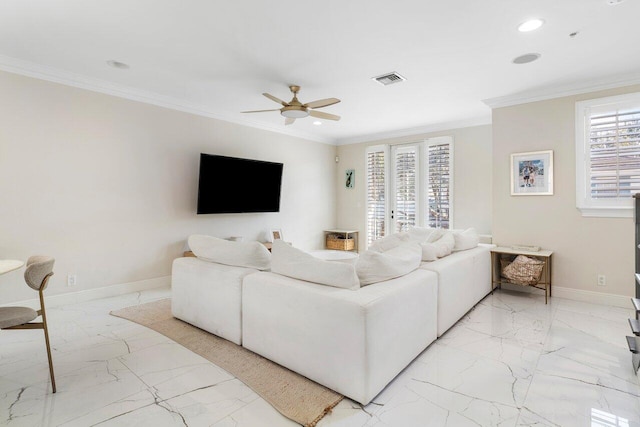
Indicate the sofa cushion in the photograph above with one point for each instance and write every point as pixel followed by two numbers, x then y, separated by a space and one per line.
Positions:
pixel 464 240
pixel 221 251
pixel 429 251
pixel 389 242
pixel 424 234
pixel 292 262
pixel 444 245
pixel 373 267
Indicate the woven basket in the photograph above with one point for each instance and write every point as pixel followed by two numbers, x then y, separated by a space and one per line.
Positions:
pixel 340 244
pixel 523 270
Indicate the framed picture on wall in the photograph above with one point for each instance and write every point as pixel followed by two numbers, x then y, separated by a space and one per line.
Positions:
pixel 276 234
pixel 349 178
pixel 532 173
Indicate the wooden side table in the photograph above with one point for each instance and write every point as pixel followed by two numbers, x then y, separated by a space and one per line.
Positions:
pixel 545 278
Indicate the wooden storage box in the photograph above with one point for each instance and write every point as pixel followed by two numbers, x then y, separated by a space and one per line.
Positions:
pixel 340 244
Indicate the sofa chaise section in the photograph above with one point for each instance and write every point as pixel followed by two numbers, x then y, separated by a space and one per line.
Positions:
pixel 464 279
pixel 353 342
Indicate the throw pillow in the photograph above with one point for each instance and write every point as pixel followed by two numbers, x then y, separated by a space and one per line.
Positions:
pixel 373 267
pixel 221 251
pixel 292 262
pixel 429 251
pixel 464 240
pixel 389 242
pixel 445 245
pixel 423 234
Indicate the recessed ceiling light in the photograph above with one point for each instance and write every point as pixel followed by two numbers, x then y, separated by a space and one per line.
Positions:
pixel 317 123
pixel 526 58
pixel 117 64
pixel 530 25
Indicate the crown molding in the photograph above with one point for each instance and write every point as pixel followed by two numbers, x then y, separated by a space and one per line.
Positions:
pixel 51 74
pixel 562 91
pixel 479 121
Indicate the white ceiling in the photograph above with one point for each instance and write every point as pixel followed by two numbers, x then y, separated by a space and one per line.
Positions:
pixel 216 58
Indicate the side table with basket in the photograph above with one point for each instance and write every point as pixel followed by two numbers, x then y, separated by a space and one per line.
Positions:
pixel 521 267
pixel 341 240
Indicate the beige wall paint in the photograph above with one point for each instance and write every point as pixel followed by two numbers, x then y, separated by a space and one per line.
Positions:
pixel 583 247
pixel 472 178
pixel 108 186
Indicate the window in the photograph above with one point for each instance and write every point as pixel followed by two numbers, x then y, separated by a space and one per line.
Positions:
pixel 405 189
pixel 376 202
pixel 418 180
pixel 440 161
pixel 608 155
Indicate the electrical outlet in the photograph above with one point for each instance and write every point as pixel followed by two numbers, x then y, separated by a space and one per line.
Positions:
pixel 71 280
pixel 602 280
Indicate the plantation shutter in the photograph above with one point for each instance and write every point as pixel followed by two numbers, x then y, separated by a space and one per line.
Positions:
pixel 439 159
pixel 614 154
pixel 376 202
pixel 406 195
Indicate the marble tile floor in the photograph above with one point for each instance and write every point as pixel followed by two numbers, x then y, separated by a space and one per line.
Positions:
pixel 511 361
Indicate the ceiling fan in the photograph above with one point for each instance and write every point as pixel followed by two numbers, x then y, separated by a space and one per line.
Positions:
pixel 294 109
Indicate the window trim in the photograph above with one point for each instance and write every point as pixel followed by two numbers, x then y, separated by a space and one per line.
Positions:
pixel 588 207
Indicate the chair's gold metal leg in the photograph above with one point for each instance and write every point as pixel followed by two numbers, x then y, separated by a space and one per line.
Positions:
pixel 46 339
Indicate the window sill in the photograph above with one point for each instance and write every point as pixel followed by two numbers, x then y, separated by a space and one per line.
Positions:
pixel 606 212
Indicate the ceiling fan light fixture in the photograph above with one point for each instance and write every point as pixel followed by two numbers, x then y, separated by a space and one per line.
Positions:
pixel 294 112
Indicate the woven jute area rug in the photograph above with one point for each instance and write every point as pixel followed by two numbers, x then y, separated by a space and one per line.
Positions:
pixel 294 396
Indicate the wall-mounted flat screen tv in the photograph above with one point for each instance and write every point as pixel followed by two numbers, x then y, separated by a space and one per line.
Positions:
pixel 236 185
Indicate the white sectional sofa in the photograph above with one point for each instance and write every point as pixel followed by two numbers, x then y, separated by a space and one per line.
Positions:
pixel 351 328
pixel 353 342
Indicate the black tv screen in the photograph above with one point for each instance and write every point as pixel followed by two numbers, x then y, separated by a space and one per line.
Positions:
pixel 235 185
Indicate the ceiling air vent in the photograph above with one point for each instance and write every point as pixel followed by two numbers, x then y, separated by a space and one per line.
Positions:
pixel 389 78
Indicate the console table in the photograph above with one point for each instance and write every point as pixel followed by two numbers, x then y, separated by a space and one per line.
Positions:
pixel 545 278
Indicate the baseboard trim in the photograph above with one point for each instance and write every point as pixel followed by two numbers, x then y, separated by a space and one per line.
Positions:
pixel 97 293
pixel 579 295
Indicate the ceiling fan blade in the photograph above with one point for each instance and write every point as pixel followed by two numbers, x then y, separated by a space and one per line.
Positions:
pixel 321 115
pixel 273 98
pixel 321 103
pixel 289 120
pixel 259 111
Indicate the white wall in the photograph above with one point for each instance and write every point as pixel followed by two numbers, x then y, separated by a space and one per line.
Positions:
pixel 108 186
pixel 472 179
pixel 583 247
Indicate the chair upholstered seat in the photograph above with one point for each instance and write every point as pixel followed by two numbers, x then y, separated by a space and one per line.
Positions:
pixel 13 316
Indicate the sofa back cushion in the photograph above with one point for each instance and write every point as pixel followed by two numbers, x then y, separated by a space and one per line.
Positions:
pixel 221 251
pixel 424 234
pixel 373 267
pixel 389 242
pixel 466 239
pixel 445 244
pixel 291 262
